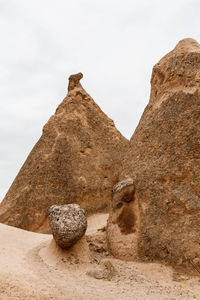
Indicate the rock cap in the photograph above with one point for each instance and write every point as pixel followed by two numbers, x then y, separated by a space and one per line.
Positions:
pixel 74 81
pixel 122 184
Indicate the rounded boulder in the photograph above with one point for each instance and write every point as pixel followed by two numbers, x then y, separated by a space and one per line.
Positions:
pixel 68 224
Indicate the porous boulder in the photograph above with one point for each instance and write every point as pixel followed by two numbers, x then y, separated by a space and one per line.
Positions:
pixel 164 161
pixel 68 224
pixel 76 160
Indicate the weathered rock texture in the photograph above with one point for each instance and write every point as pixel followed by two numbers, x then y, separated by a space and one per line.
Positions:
pixel 76 160
pixel 68 224
pixel 164 162
pixel 122 227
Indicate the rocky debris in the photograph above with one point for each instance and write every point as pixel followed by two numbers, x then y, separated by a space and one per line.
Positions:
pixel 105 270
pixel 76 160
pixel 97 245
pixel 68 224
pixel 164 162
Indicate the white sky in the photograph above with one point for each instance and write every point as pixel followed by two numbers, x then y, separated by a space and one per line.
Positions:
pixel 114 43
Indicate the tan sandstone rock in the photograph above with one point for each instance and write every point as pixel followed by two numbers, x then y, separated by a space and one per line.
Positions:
pixel 76 160
pixel 164 161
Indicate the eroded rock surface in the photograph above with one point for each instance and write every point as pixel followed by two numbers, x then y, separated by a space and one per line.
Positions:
pixel 68 224
pixel 164 161
pixel 122 226
pixel 76 160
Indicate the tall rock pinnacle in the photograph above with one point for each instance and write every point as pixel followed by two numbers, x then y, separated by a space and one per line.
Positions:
pixel 76 160
pixel 164 162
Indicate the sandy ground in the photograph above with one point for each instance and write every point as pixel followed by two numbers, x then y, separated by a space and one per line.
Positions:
pixel 33 267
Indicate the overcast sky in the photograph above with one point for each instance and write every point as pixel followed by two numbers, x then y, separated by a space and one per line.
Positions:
pixel 114 43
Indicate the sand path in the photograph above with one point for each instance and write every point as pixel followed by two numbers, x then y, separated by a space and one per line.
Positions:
pixel 32 268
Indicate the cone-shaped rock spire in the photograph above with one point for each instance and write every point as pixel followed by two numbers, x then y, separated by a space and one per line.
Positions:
pixel 76 160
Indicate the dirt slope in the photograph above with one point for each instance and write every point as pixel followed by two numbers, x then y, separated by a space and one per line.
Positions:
pixel 31 268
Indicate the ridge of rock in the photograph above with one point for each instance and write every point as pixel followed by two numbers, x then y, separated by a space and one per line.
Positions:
pixel 76 160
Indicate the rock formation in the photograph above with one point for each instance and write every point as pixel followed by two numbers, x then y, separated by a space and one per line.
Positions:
pixel 164 161
pixel 122 228
pixel 76 160
pixel 68 224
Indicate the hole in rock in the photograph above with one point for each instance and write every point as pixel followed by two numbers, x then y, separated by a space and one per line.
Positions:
pixel 126 221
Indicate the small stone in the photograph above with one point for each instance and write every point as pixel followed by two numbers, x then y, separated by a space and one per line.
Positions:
pixel 123 192
pixel 122 184
pixel 105 270
pixel 68 224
